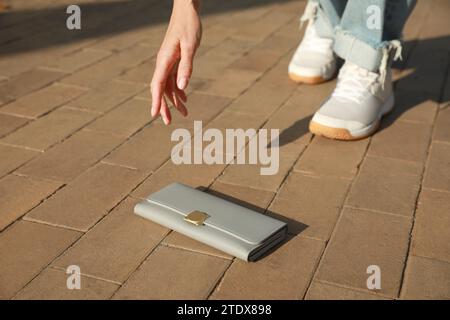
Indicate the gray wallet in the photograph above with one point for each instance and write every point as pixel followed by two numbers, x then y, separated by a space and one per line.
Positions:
pixel 221 224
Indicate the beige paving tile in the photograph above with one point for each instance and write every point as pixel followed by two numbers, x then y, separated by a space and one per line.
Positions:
pixel 149 148
pixel 121 241
pixel 190 276
pixel 26 249
pixel 413 106
pixel 105 70
pixel 67 160
pixel 387 185
pixel 140 74
pixel 42 101
pixel 363 239
pixel 27 82
pixel 232 82
pixel 437 172
pixel 441 129
pixel 78 60
pixel 196 176
pixel 250 174
pixel 323 291
pixel 146 151
pixel 20 194
pixel 254 199
pixel 50 129
pixel 431 238
pixel 283 274
pixel 51 284
pixel 211 65
pixel 257 60
pixel 332 158
pixel 300 203
pixel 88 198
pixel 402 140
pixel 9 123
pixel 107 96
pixel 124 120
pixel 177 240
pixel 13 157
pixel 426 279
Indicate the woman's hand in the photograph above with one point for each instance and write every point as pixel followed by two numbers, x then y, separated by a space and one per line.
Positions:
pixel 175 58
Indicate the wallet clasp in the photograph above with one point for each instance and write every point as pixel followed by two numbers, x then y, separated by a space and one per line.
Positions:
pixel 196 217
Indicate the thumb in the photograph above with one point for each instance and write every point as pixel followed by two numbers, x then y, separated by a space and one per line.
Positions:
pixel 185 66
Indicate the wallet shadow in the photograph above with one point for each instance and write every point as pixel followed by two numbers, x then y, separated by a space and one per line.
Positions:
pixel 294 227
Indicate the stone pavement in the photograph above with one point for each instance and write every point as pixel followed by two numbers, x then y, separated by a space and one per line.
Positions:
pixel 78 149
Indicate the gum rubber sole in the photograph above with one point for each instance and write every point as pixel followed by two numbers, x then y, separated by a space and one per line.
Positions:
pixel 307 80
pixel 337 133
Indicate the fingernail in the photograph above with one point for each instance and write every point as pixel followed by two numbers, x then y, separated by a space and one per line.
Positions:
pixel 182 83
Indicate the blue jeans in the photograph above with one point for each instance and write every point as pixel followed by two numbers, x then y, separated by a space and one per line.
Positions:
pixel 362 29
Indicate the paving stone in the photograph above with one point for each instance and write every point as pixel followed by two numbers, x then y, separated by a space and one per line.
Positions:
pixel 78 60
pixel 323 291
pixel 251 198
pixel 212 65
pixel 51 284
pixel 141 74
pixel 191 276
pixel 413 106
pixel 42 101
pixel 426 279
pixel 362 239
pixel 27 82
pixel 20 194
pixel 441 129
pixel 430 238
pixel 152 146
pixel 26 249
pixel 50 129
pixel 13 157
pixel 231 83
pixel 121 241
pixel 177 240
pixel 9 123
pixel 88 198
pixel 429 73
pixel 437 173
pixel 124 120
pixel 332 158
pixel 107 96
pixel 67 160
pixel 387 185
pixel 283 274
pixel 196 176
pixel 251 174
pixel 257 60
pixel 105 70
pixel 402 140
pixel 300 203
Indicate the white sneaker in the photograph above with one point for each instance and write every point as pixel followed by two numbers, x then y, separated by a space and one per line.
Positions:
pixel 314 60
pixel 356 106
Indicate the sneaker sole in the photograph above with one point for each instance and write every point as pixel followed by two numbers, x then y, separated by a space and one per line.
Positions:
pixel 345 134
pixel 307 80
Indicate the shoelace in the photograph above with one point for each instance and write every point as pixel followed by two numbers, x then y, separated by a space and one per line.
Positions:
pixel 353 83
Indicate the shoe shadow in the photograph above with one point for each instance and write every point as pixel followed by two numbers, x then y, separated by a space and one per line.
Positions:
pixel 422 83
pixel 294 227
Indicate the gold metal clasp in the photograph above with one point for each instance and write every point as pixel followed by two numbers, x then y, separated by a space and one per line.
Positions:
pixel 196 217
